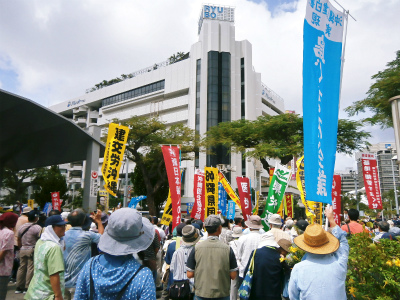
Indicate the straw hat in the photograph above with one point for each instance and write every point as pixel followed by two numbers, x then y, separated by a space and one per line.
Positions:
pixel 317 241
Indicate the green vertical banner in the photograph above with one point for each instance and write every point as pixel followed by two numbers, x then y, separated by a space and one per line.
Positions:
pixel 276 193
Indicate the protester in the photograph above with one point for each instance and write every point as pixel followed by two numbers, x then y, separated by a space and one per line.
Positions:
pixel 226 232
pixel 284 249
pixel 383 227
pixel 212 264
pixel 268 272
pixel 17 207
pixel 117 271
pixel 236 234
pixel 353 226
pixel 28 235
pixel 298 228
pixel 247 243
pixel 23 219
pixel 8 221
pixel 322 272
pixel 78 246
pixel 48 278
pixel 238 222
pixel 346 215
pixel 42 219
pixel 288 228
pixel 275 223
pixel 64 216
pixel 149 256
pixel 190 236
pixel 171 248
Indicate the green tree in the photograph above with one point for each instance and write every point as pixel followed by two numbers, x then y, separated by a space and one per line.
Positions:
pixel 388 203
pixel 17 183
pixel 49 180
pixel 386 86
pixel 279 137
pixel 146 135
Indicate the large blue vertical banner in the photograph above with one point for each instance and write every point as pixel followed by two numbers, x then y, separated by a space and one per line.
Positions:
pixel 222 197
pixel 323 32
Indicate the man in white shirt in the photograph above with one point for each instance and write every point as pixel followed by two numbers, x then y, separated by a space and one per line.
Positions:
pixel 247 243
pixel 275 223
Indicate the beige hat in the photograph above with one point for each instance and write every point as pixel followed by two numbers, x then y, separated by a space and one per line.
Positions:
pixel 26 210
pixel 275 219
pixel 254 222
pixel 316 240
pixel 284 244
pixel 268 240
pixel 237 231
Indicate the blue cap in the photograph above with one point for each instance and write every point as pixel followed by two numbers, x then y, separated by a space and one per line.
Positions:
pixel 55 220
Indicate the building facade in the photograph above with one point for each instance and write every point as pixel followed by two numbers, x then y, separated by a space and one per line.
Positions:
pixel 215 82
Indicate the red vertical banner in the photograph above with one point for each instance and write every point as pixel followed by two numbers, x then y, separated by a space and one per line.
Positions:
pixel 198 193
pixel 289 205
pixel 171 159
pixel 55 200
pixel 271 174
pixel 245 196
pixel 337 197
pixel 371 181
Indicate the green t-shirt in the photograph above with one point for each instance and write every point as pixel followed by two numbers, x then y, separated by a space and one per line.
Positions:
pixel 48 260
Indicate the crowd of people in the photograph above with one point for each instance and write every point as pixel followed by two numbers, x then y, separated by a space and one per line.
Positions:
pixel 129 256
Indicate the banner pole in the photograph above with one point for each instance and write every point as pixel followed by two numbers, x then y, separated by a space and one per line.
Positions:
pixel 346 13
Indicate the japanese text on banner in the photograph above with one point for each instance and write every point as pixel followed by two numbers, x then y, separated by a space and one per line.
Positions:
pixel 289 205
pixel 113 156
pixel 323 32
pixel 171 159
pixel 198 193
pixel 301 185
pixel 211 191
pixel 55 200
pixel 222 198
pixel 231 210
pixel 229 189
pixel 166 218
pixel 371 181
pixel 275 194
pixel 336 197
pixel 243 184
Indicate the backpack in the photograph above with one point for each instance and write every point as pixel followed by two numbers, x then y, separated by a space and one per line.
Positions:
pixel 180 290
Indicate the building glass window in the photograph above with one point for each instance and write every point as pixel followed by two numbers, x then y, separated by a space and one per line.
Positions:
pixel 150 88
pixel 218 99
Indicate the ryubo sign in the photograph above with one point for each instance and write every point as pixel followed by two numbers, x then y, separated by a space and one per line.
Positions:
pixel 218 12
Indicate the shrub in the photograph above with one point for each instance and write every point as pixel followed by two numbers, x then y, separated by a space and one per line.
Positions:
pixel 373 268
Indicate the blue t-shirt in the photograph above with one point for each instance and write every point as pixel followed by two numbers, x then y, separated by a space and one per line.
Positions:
pixel 77 252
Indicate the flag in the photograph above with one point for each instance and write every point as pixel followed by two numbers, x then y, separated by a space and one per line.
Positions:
pixel 301 185
pixel 275 193
pixel 166 218
pixel 135 200
pixel 171 160
pixel 228 189
pixel 337 197
pixel 323 32
pixel 255 209
pixel 47 208
pixel 231 210
pixel 104 199
pixel 211 191
pixel 245 196
pixel 55 200
pixel 289 205
pixel 198 193
pixel 371 181
pixel 113 156
pixel 222 197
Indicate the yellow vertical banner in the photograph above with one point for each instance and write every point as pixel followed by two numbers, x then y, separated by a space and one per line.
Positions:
pixel 231 193
pixel 281 212
pixel 301 185
pixel 255 209
pixel 318 212
pixel 104 199
pixel 113 156
pixel 31 202
pixel 167 215
pixel 211 191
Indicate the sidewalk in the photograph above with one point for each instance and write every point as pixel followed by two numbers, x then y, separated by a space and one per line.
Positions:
pixel 10 292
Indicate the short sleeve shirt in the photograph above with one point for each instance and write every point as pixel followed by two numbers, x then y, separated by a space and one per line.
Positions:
pixel 31 235
pixel 354 227
pixel 6 244
pixel 48 260
pixel 77 252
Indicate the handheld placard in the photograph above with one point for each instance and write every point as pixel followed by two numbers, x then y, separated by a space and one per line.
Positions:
pixel 326 219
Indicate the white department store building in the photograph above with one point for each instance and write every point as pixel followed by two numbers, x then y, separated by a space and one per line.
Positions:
pixel 215 82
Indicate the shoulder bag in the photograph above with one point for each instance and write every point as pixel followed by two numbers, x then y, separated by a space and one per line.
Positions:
pixel 245 287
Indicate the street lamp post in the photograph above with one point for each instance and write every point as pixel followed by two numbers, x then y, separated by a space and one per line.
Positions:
pixel 394 182
pixel 354 175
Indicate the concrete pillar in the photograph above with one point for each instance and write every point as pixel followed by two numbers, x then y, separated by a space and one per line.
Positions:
pixel 92 164
pixel 395 103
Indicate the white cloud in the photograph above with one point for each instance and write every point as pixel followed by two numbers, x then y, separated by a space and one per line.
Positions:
pixel 58 48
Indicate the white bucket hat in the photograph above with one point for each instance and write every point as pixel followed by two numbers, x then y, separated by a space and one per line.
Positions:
pixel 268 239
pixel 126 233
